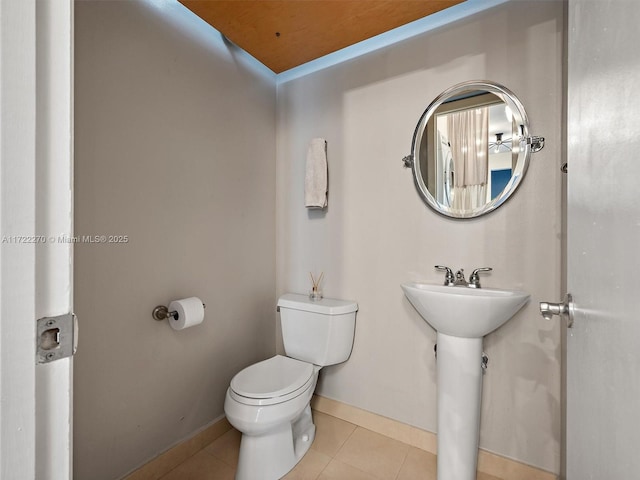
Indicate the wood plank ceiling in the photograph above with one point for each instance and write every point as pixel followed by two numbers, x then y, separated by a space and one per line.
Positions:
pixel 283 34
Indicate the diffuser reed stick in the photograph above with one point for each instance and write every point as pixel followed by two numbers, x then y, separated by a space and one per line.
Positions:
pixel 316 293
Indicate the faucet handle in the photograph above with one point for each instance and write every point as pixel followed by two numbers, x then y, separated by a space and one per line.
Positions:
pixel 474 279
pixel 448 278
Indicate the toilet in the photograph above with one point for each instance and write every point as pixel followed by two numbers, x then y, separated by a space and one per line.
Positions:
pixel 269 401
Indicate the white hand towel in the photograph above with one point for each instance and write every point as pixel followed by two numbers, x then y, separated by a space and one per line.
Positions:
pixel 315 179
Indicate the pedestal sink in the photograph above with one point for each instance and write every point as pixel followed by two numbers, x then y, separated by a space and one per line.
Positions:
pixel 461 316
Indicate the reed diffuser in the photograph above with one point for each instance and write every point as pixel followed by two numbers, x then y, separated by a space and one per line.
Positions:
pixel 316 293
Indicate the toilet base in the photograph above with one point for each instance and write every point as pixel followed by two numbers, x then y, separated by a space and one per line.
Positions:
pixel 272 456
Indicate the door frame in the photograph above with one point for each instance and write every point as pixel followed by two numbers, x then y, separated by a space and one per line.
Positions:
pixel 36 212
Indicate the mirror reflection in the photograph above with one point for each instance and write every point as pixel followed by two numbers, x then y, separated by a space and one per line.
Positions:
pixel 470 149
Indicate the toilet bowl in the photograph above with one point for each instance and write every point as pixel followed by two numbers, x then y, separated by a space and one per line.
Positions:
pixel 269 401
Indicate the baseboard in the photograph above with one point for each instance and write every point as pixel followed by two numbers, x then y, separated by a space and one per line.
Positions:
pixel 174 456
pixel 487 462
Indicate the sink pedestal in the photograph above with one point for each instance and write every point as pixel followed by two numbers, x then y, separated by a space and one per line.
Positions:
pixel 459 396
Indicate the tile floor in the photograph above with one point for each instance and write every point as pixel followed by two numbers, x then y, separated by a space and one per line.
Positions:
pixel 341 451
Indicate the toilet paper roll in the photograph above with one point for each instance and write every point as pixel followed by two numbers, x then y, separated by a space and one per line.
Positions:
pixel 190 312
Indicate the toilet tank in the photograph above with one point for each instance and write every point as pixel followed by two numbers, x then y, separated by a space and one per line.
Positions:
pixel 317 331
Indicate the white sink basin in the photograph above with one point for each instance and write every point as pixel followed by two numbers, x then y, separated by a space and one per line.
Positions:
pixel 462 311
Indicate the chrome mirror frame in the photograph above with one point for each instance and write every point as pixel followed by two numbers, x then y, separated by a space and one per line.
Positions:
pixel 527 144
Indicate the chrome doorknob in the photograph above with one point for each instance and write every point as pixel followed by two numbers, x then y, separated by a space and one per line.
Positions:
pixel 564 309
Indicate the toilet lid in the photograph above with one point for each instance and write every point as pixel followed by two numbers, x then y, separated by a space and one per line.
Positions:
pixel 271 378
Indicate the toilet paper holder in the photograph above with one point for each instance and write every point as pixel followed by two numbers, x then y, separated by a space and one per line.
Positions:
pixel 161 312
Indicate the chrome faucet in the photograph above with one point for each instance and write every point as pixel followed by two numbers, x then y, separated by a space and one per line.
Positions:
pixel 460 280
pixel 451 280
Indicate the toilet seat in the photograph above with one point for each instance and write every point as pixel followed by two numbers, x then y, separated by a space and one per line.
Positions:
pixel 272 381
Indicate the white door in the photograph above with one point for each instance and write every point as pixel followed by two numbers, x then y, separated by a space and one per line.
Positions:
pixel 603 240
pixel 35 218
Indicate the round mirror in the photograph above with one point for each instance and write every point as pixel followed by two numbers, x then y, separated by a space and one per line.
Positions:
pixel 471 149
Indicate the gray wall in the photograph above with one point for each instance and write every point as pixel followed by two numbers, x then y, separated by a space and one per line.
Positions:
pixel 175 147
pixel 377 233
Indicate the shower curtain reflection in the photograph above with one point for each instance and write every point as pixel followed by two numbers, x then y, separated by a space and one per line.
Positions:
pixel 469 150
